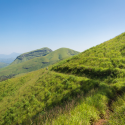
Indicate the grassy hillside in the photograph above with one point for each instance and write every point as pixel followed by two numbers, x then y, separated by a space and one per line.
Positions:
pixel 60 54
pixel 109 54
pixel 114 48
pixel 30 55
pixel 37 63
pixel 80 90
pixel 25 96
pixel 3 64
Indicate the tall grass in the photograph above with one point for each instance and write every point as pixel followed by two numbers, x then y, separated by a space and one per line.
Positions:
pixel 80 110
pixel 50 97
pixel 117 117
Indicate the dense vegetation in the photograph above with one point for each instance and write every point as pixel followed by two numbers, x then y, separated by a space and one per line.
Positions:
pixel 79 90
pixel 36 63
pixel 25 96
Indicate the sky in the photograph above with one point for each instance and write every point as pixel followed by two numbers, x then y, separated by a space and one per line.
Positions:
pixel 27 25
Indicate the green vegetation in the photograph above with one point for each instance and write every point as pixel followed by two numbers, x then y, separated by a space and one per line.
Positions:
pixel 118 116
pixel 36 63
pixel 25 96
pixel 30 55
pixel 79 90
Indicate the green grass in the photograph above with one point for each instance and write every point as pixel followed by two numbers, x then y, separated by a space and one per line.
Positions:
pixel 117 117
pixel 76 91
pixel 80 110
pixel 35 91
pixel 27 96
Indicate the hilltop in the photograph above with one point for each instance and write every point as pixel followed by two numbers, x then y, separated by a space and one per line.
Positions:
pixel 60 54
pixel 36 63
pixel 78 90
pixel 30 55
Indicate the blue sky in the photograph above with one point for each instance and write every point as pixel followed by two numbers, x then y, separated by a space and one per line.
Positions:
pixel 27 25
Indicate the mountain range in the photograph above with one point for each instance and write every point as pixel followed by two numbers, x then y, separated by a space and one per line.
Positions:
pixel 5 60
pixel 35 60
pixel 12 55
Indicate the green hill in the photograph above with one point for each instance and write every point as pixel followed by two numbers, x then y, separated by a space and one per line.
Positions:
pixel 30 55
pixel 61 53
pixel 79 90
pixel 36 63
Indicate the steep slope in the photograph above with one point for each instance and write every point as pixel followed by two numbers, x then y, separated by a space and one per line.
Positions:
pixel 114 48
pixel 30 55
pixel 109 54
pixel 75 91
pixel 36 63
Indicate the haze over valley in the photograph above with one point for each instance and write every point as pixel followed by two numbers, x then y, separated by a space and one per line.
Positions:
pixel 5 60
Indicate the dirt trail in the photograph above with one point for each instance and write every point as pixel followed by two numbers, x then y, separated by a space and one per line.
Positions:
pixel 103 121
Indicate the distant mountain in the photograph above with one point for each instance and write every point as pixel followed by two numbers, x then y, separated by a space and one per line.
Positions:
pixel 12 55
pixel 36 62
pixel 3 64
pixel 7 61
pixel 30 55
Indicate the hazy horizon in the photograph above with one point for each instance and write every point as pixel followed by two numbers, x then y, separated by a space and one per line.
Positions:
pixel 10 53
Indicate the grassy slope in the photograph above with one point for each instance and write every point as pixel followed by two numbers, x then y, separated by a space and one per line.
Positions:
pixel 38 62
pixel 33 54
pixel 107 63
pixel 25 96
pixel 61 54
pixel 75 91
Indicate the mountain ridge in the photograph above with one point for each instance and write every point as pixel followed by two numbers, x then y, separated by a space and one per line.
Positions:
pixel 32 54
pixel 37 62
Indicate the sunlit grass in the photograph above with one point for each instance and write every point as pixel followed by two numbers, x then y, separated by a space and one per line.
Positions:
pixel 76 91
